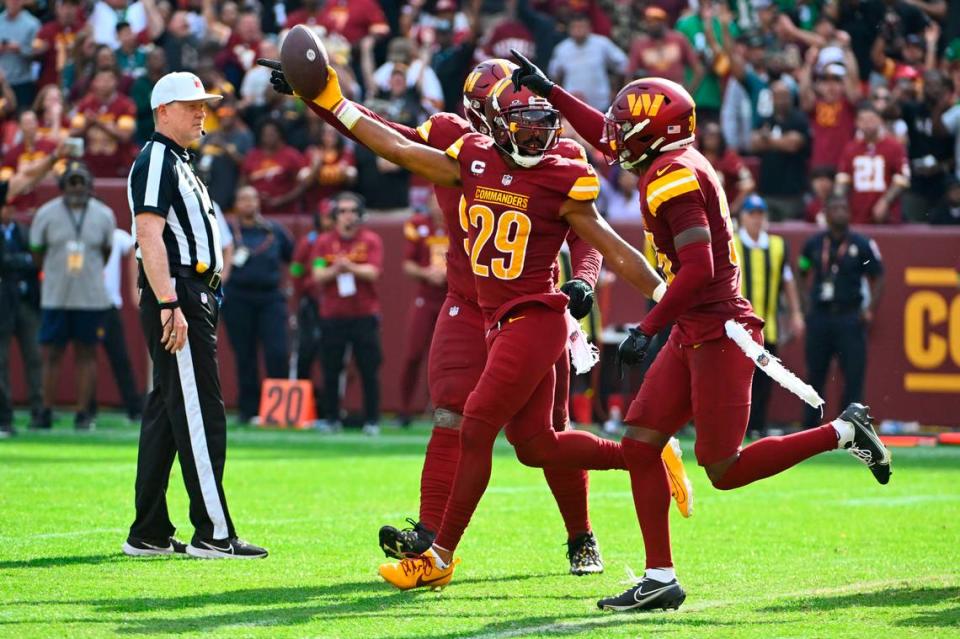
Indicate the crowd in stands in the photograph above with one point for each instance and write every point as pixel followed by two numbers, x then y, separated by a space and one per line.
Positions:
pixel 798 100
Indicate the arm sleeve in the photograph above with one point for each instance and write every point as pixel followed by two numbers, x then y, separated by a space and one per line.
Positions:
pixel 152 183
pixel 375 256
pixel 615 56
pixel 584 259
pixel 328 117
pixel 696 271
pixel 585 120
pixel 872 262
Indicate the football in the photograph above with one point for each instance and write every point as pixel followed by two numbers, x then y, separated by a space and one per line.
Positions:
pixel 304 60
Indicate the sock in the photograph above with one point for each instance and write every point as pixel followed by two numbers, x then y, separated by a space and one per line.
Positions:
pixel 470 480
pixel 663 575
pixel 845 432
pixel 438 562
pixel 772 455
pixel 569 488
pixel 572 449
pixel 651 498
pixel 439 468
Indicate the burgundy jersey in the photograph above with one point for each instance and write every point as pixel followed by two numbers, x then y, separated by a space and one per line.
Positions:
pixel 675 191
pixel 515 229
pixel 870 168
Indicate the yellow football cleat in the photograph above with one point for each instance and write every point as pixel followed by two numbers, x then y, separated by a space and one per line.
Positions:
pixel 680 486
pixel 418 572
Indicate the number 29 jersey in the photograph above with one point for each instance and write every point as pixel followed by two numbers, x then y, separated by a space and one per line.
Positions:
pixel 513 222
pixel 676 192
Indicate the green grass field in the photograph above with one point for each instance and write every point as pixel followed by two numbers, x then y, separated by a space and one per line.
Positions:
pixel 820 551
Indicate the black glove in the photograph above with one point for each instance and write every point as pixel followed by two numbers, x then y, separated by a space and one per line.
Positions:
pixel 277 79
pixel 632 350
pixel 581 297
pixel 528 75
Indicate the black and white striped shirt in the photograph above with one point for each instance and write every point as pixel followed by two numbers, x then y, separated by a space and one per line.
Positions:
pixel 162 182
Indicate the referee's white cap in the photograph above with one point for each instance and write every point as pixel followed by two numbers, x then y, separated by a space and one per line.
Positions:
pixel 179 87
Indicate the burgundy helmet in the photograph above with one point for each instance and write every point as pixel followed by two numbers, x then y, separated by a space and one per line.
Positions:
pixel 649 116
pixel 524 125
pixel 477 87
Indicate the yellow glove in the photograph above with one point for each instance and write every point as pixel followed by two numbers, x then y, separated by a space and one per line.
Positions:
pixel 331 94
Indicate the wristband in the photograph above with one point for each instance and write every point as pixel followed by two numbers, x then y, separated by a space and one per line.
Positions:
pixel 348 113
pixel 169 305
pixel 658 292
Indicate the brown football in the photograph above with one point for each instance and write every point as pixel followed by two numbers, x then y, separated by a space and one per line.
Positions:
pixel 304 60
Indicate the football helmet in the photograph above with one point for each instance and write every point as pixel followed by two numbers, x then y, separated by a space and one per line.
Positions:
pixel 649 116
pixel 477 87
pixel 524 125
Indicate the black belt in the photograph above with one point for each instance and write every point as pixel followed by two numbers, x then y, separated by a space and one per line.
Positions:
pixel 209 278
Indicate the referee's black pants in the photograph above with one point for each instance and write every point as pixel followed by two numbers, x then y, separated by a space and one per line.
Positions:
pixel 184 416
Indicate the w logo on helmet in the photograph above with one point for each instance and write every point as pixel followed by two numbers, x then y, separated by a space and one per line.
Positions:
pixel 645 103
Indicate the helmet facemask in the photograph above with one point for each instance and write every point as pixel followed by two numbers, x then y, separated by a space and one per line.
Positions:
pixel 526 132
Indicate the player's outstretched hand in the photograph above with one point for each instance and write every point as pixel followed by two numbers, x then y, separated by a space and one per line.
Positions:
pixel 530 76
pixel 581 297
pixel 277 79
pixel 632 350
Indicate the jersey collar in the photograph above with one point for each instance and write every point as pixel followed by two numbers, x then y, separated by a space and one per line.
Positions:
pixel 179 150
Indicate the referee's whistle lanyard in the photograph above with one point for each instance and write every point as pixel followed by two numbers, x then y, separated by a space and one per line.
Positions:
pixel 830 268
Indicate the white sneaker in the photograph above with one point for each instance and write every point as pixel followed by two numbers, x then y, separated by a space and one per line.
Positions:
pixel 373 430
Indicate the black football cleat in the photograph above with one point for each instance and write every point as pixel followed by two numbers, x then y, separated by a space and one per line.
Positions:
pixel 647 594
pixel 136 547
pixel 866 445
pixel 400 544
pixel 224 549
pixel 584 555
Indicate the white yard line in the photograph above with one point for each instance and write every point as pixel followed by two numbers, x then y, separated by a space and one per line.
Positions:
pixel 604 619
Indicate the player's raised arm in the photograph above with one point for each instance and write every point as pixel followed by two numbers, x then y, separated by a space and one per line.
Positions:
pixel 585 120
pixel 417 158
pixel 621 258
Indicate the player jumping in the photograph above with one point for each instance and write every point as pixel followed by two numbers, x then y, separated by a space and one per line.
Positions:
pixel 700 373
pixel 458 350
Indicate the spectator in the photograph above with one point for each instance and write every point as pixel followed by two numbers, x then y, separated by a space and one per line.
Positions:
pixel 20 301
pixel 131 56
pixel 80 66
pixel 221 155
pixel 51 113
pixel 403 58
pixel 736 178
pixel 275 170
pixel 663 52
pixel 584 61
pixel 424 26
pixel 425 261
pixel 384 185
pixel 122 257
pixel 509 33
pixel 182 47
pixel 709 45
pixel 883 102
pixel 106 119
pixel 310 14
pixel 930 146
pixel 453 57
pixel 766 277
pixel 29 151
pixel 947 211
pixel 255 307
pixel 354 19
pixel 107 14
pixel 332 165
pixel 618 201
pixel 838 319
pixel 54 40
pixel 749 64
pixel 782 143
pixel 141 90
pixel 346 265
pixel 951 124
pixel 71 237
pixel 829 103
pixel 255 89
pixel 822 186
pixel 220 26
pixel 18 28
pixel 873 171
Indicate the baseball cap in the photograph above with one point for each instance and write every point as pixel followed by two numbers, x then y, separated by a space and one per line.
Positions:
pixel 179 86
pixel 754 203
pixel 834 70
pixel 762 4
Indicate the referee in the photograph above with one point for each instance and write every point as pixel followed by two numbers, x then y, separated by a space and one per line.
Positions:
pixel 180 262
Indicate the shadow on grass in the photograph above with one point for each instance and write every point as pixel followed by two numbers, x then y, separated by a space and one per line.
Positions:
pixel 889 598
pixel 59 562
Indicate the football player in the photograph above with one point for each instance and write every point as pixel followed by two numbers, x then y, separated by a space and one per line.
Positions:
pixel 458 350
pixel 700 374
pixel 519 204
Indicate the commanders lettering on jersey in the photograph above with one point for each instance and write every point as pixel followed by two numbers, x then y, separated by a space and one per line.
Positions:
pixel 670 186
pixel 506 198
